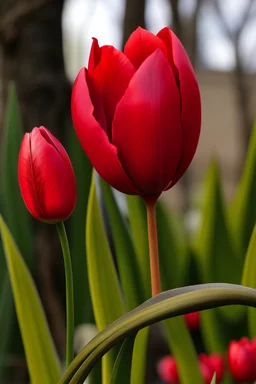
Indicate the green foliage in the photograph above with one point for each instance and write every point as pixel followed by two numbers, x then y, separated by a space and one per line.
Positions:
pixel 41 357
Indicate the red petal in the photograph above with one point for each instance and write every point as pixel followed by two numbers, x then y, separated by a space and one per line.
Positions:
pixel 190 105
pixel 95 55
pixel 146 126
pixel 26 179
pixel 95 143
pixel 111 76
pixel 141 44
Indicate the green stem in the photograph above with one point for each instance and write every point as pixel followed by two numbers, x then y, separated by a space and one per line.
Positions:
pixel 69 293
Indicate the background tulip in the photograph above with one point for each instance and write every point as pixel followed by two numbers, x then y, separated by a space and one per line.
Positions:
pixel 137 113
pixel 211 364
pixel 192 320
pixel 167 370
pixel 46 177
pixel 242 360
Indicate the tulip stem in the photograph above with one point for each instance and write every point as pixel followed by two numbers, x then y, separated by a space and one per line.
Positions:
pixel 153 246
pixel 69 293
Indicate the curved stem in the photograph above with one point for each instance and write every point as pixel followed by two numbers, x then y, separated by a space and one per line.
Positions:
pixel 69 293
pixel 153 247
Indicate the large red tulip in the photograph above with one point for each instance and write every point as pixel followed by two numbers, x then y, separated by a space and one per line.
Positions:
pixel 46 177
pixel 137 113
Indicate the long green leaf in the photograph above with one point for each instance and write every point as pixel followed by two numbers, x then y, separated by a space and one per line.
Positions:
pixel 77 222
pixel 123 364
pixel 182 347
pixel 167 304
pixel 138 222
pixel 139 358
pixel 214 244
pixel 13 207
pixel 40 352
pixel 173 254
pixel 125 253
pixel 249 280
pixel 103 281
pixel 242 211
pixel 12 203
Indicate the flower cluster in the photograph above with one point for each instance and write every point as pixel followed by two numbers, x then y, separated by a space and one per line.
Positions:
pixel 168 371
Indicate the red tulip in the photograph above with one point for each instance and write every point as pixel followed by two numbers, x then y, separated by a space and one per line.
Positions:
pixel 137 113
pixel 242 360
pixel 167 370
pixel 211 364
pixel 46 177
pixel 192 320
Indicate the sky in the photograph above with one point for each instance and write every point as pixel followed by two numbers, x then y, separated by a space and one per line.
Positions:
pixel 84 19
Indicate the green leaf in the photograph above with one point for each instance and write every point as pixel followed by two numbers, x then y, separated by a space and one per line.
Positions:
pixel 123 364
pixel 13 207
pixel 139 357
pixel 249 280
pixel 173 254
pixel 12 203
pixel 242 210
pixel 41 357
pixel 218 259
pixel 214 379
pixel 103 281
pixel 77 223
pixel 138 222
pixel 167 304
pixel 182 347
pixel 124 250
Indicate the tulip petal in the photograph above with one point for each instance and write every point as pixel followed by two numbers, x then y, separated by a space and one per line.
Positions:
pixel 93 138
pixel 111 77
pixel 26 180
pixel 190 96
pixel 95 55
pixel 141 44
pixel 146 126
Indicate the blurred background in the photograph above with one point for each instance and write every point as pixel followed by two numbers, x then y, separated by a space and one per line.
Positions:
pixel 43 44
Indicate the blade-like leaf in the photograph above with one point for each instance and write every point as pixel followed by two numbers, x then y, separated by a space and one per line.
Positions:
pixel 182 347
pixel 214 379
pixel 124 250
pixel 173 255
pixel 242 211
pixel 139 357
pixel 214 244
pixel 123 364
pixel 104 286
pixel 83 172
pixel 12 203
pixel 249 280
pixel 41 357
pixel 138 221
pixel 167 304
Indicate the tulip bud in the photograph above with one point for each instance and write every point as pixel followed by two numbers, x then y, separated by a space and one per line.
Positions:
pixel 137 113
pixel 46 177
pixel 167 370
pixel 210 365
pixel 192 320
pixel 242 360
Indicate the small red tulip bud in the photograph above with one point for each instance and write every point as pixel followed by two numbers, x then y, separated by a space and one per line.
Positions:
pixel 167 370
pixel 192 320
pixel 242 360
pixel 46 177
pixel 211 364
